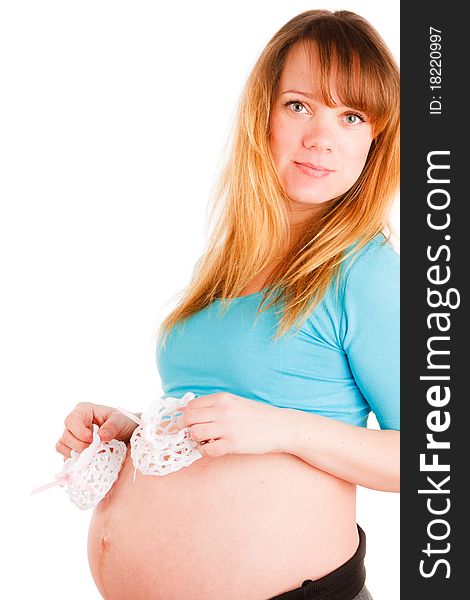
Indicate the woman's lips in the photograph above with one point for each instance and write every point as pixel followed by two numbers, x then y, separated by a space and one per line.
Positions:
pixel 313 170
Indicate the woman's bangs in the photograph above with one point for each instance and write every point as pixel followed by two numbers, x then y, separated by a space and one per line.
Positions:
pixel 358 78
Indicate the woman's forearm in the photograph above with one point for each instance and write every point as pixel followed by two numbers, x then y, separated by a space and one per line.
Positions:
pixel 366 457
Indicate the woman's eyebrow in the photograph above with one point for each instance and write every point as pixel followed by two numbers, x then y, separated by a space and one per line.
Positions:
pixel 311 96
pixel 299 92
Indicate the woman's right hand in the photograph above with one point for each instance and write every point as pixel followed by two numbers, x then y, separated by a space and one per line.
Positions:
pixel 78 432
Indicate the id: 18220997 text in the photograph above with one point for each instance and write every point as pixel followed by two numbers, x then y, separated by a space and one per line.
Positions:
pixel 435 70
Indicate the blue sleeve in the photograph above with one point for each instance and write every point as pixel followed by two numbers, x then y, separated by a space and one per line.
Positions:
pixel 371 330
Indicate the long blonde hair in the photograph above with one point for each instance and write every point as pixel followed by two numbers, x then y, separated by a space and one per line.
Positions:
pixel 252 226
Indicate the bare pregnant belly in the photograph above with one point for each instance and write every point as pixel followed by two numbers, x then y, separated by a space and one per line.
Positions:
pixel 238 527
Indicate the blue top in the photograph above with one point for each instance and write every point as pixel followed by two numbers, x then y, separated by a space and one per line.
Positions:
pixel 342 363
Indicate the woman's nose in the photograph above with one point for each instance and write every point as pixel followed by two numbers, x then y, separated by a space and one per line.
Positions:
pixel 319 135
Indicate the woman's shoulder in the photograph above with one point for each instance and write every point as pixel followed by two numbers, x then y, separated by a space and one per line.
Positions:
pixel 370 283
pixel 376 262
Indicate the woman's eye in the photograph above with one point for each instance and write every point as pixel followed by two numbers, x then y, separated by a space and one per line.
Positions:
pixel 295 104
pixel 354 118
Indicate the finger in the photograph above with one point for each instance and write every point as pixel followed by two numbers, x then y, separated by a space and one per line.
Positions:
pixel 79 424
pixel 216 448
pixel 63 449
pixel 72 442
pixel 204 431
pixel 116 426
pixel 191 416
pixel 202 401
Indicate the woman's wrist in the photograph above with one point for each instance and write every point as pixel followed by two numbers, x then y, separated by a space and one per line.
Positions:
pixel 288 420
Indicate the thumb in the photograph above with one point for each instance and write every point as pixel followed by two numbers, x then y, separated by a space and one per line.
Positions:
pixel 113 428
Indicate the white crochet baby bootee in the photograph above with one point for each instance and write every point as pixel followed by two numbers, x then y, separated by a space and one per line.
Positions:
pixel 90 474
pixel 157 446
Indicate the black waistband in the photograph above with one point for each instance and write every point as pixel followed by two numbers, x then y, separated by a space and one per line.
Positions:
pixel 344 583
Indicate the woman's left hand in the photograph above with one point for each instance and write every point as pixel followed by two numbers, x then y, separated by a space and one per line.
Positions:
pixel 235 424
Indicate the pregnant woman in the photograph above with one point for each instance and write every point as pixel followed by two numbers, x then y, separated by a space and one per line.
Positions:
pixel 288 337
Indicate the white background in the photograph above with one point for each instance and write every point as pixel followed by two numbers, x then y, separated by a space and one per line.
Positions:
pixel 114 117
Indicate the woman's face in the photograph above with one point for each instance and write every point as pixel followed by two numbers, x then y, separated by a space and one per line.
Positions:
pixel 318 151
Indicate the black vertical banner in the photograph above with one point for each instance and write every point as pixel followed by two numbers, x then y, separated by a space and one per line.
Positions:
pixel 435 232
